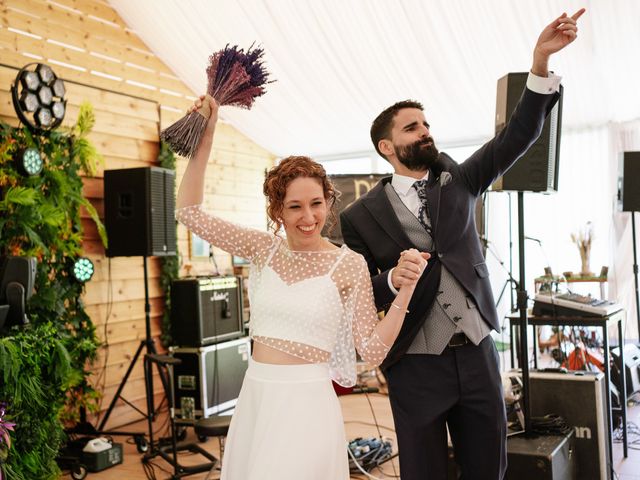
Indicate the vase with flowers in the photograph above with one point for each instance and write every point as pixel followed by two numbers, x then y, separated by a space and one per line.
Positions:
pixel 583 239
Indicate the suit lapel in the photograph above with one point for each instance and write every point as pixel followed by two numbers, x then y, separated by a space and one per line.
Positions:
pixel 377 203
pixel 433 197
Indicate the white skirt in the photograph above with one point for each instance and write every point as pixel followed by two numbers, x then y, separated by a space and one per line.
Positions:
pixel 287 425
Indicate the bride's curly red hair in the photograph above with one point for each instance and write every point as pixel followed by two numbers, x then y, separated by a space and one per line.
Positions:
pixel 279 178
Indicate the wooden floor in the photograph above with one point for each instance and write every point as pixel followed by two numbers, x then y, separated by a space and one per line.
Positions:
pixel 359 411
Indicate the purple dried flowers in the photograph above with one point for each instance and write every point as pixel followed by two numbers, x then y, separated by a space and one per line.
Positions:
pixel 235 77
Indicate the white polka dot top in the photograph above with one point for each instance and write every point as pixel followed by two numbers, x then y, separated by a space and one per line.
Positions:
pixel 317 306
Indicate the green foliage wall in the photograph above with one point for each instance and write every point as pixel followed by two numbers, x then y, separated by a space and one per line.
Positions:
pixel 44 367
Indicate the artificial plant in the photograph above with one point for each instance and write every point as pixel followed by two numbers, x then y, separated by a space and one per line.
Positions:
pixel 45 365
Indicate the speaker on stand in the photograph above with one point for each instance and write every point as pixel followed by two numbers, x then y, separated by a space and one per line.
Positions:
pixel 629 201
pixel 535 171
pixel 139 209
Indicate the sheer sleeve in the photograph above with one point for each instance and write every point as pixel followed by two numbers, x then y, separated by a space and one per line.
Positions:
pixel 365 317
pixel 232 238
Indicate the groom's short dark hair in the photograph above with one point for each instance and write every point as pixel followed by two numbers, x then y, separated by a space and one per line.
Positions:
pixel 381 126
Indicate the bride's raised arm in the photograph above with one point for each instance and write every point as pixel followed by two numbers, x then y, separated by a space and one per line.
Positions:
pixel 235 239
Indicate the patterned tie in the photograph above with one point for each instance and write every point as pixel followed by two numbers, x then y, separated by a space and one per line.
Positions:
pixel 423 212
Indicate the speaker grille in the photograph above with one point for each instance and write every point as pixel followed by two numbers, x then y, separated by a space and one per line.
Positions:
pixel 163 238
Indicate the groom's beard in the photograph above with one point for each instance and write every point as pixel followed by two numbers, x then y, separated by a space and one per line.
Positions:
pixel 418 156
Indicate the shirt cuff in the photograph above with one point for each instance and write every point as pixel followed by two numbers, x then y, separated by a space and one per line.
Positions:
pixel 391 287
pixel 544 85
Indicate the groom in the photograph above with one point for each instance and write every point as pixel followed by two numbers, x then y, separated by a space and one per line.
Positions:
pixel 443 370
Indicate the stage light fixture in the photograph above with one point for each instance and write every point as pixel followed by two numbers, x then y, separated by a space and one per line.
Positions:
pixel 28 101
pixel 45 95
pixel 58 88
pixel 30 81
pixel 58 110
pixel 38 97
pixel 43 118
pixel 83 269
pixel 45 73
pixel 29 161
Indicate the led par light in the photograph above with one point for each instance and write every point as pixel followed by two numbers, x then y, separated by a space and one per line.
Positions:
pixel 29 161
pixel 83 269
pixel 43 118
pixel 28 101
pixel 38 97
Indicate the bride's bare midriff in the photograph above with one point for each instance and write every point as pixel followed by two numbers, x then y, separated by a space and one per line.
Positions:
pixel 265 354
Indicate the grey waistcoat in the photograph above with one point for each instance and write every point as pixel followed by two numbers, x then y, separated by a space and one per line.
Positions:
pixel 454 310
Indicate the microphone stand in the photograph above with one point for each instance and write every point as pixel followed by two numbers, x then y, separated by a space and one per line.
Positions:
pixel 510 280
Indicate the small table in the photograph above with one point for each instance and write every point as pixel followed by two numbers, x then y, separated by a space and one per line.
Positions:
pixel 602 280
pixel 616 318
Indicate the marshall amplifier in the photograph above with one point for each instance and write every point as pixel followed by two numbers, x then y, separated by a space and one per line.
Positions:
pixel 579 397
pixel 206 310
pixel 208 380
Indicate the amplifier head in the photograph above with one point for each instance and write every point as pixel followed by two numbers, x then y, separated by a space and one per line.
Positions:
pixel 206 310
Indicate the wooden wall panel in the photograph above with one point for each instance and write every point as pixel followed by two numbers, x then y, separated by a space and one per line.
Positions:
pixel 134 95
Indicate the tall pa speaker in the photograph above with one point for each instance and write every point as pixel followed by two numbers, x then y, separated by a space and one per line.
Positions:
pixel 139 209
pixel 628 176
pixel 206 310
pixel 579 398
pixel 537 169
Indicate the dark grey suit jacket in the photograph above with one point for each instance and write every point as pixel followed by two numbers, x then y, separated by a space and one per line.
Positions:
pixel 371 228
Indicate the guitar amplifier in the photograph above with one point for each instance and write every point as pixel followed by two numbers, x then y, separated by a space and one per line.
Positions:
pixel 206 310
pixel 209 379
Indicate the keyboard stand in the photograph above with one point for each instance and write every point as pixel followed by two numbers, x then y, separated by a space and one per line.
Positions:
pixel 605 323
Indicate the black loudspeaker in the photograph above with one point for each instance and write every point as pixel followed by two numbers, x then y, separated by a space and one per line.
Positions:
pixel 209 379
pixel 628 175
pixel 580 398
pixel 545 457
pixel 537 169
pixel 631 368
pixel 206 310
pixel 139 210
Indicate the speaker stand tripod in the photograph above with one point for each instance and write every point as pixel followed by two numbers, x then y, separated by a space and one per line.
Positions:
pixel 148 345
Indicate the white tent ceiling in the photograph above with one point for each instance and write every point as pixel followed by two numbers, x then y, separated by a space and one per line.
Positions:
pixel 339 62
